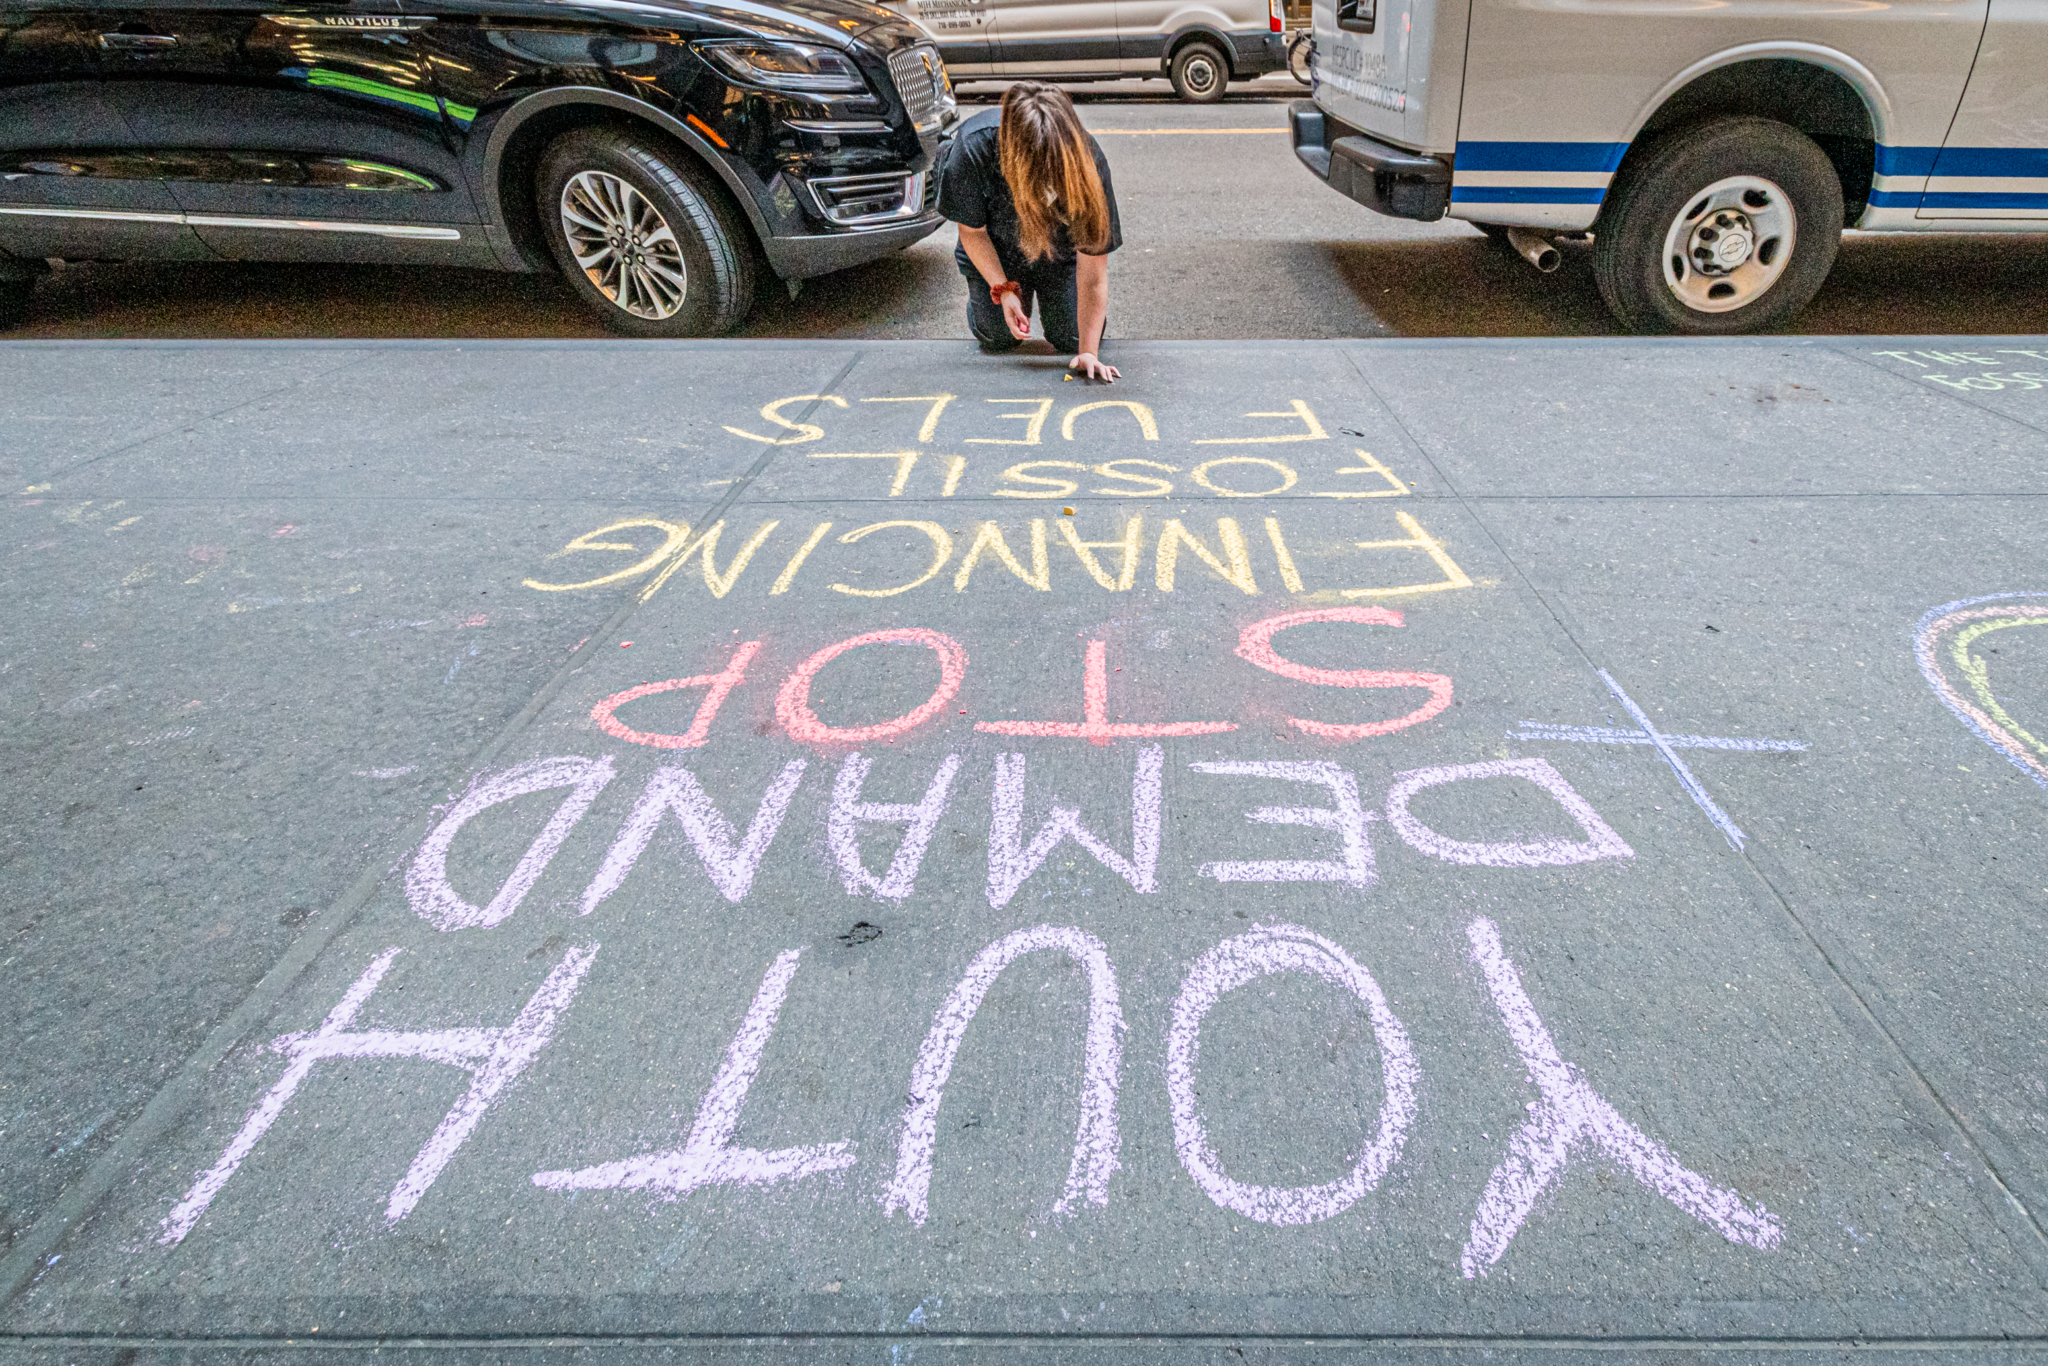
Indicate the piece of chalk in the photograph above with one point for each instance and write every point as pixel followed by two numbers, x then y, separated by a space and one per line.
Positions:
pixel 1067 512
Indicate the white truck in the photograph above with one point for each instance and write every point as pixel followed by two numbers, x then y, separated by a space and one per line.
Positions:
pixel 1715 149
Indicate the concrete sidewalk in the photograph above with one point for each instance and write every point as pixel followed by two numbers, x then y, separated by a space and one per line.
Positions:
pixel 868 852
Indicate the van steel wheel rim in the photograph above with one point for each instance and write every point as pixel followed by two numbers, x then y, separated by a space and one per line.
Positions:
pixel 1201 75
pixel 1729 244
pixel 624 245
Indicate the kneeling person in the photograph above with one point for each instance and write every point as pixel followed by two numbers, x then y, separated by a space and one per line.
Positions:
pixel 1030 191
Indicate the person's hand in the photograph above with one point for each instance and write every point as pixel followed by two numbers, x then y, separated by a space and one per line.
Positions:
pixel 1091 368
pixel 1013 314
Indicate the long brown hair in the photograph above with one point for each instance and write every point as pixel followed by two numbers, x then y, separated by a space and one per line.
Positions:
pixel 1050 168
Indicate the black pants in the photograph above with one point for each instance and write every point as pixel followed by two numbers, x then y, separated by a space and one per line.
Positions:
pixel 1051 283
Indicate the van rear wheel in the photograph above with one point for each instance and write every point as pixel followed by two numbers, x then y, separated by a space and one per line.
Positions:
pixel 1724 227
pixel 1200 73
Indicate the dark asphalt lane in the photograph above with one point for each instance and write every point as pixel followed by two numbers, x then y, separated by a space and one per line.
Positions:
pixel 1465 849
pixel 1227 237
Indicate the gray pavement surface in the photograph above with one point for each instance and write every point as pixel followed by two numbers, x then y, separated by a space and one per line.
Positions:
pixel 1226 237
pixel 1513 851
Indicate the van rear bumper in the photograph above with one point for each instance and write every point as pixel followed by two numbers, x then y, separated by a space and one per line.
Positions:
pixel 1385 179
pixel 1256 52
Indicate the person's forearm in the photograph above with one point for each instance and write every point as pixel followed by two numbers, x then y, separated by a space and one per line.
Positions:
pixel 1094 309
pixel 1091 299
pixel 982 251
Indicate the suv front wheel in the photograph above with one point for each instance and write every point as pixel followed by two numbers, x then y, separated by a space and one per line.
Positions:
pixel 1725 227
pixel 643 237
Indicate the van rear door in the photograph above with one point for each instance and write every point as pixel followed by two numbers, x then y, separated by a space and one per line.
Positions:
pixel 1361 64
pixel 1994 162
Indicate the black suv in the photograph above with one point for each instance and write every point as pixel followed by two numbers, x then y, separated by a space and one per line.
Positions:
pixel 660 152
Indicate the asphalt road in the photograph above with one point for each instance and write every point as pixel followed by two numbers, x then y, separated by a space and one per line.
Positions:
pixel 1506 851
pixel 1226 237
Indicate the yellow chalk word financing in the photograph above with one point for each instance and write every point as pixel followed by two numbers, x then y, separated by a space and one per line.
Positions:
pixel 1237 572
pixel 990 538
pixel 1421 540
pixel 707 544
pixel 674 534
pixel 1132 545
pixel 942 550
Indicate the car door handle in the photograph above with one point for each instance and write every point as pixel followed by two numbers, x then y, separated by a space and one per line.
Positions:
pixel 137 42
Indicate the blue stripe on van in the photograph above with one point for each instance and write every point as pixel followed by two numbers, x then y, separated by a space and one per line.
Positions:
pixel 1992 161
pixel 1906 160
pixel 1944 200
pixel 1540 156
pixel 1524 194
pixel 2018 163
pixel 2012 162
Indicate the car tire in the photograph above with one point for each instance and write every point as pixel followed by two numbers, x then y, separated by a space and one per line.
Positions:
pixel 14 303
pixel 1200 73
pixel 1725 227
pixel 658 250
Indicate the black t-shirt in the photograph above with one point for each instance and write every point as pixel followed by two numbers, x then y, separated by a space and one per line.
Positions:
pixel 972 190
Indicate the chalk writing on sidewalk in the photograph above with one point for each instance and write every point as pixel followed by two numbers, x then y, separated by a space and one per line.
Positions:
pixel 1567 1123
pixel 1405 557
pixel 1943 646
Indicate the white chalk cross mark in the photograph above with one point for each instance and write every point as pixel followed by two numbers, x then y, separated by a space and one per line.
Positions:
pixel 1667 746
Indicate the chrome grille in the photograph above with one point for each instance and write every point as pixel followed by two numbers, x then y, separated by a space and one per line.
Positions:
pixel 916 72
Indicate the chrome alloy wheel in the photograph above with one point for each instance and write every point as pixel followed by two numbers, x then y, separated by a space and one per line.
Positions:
pixel 1729 244
pixel 624 245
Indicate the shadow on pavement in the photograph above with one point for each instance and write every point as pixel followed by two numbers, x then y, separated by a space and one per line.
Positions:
pixel 1881 285
pixel 105 300
pixel 1446 287
pixel 916 294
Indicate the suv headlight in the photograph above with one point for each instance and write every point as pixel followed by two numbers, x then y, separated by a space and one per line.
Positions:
pixel 786 66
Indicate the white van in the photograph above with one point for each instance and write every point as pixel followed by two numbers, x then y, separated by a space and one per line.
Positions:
pixel 1714 148
pixel 1200 45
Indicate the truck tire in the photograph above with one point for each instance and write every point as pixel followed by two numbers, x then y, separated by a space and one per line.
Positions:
pixel 1200 73
pixel 1723 227
pixel 643 236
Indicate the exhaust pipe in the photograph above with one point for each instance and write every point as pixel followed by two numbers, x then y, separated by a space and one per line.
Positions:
pixel 1537 251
